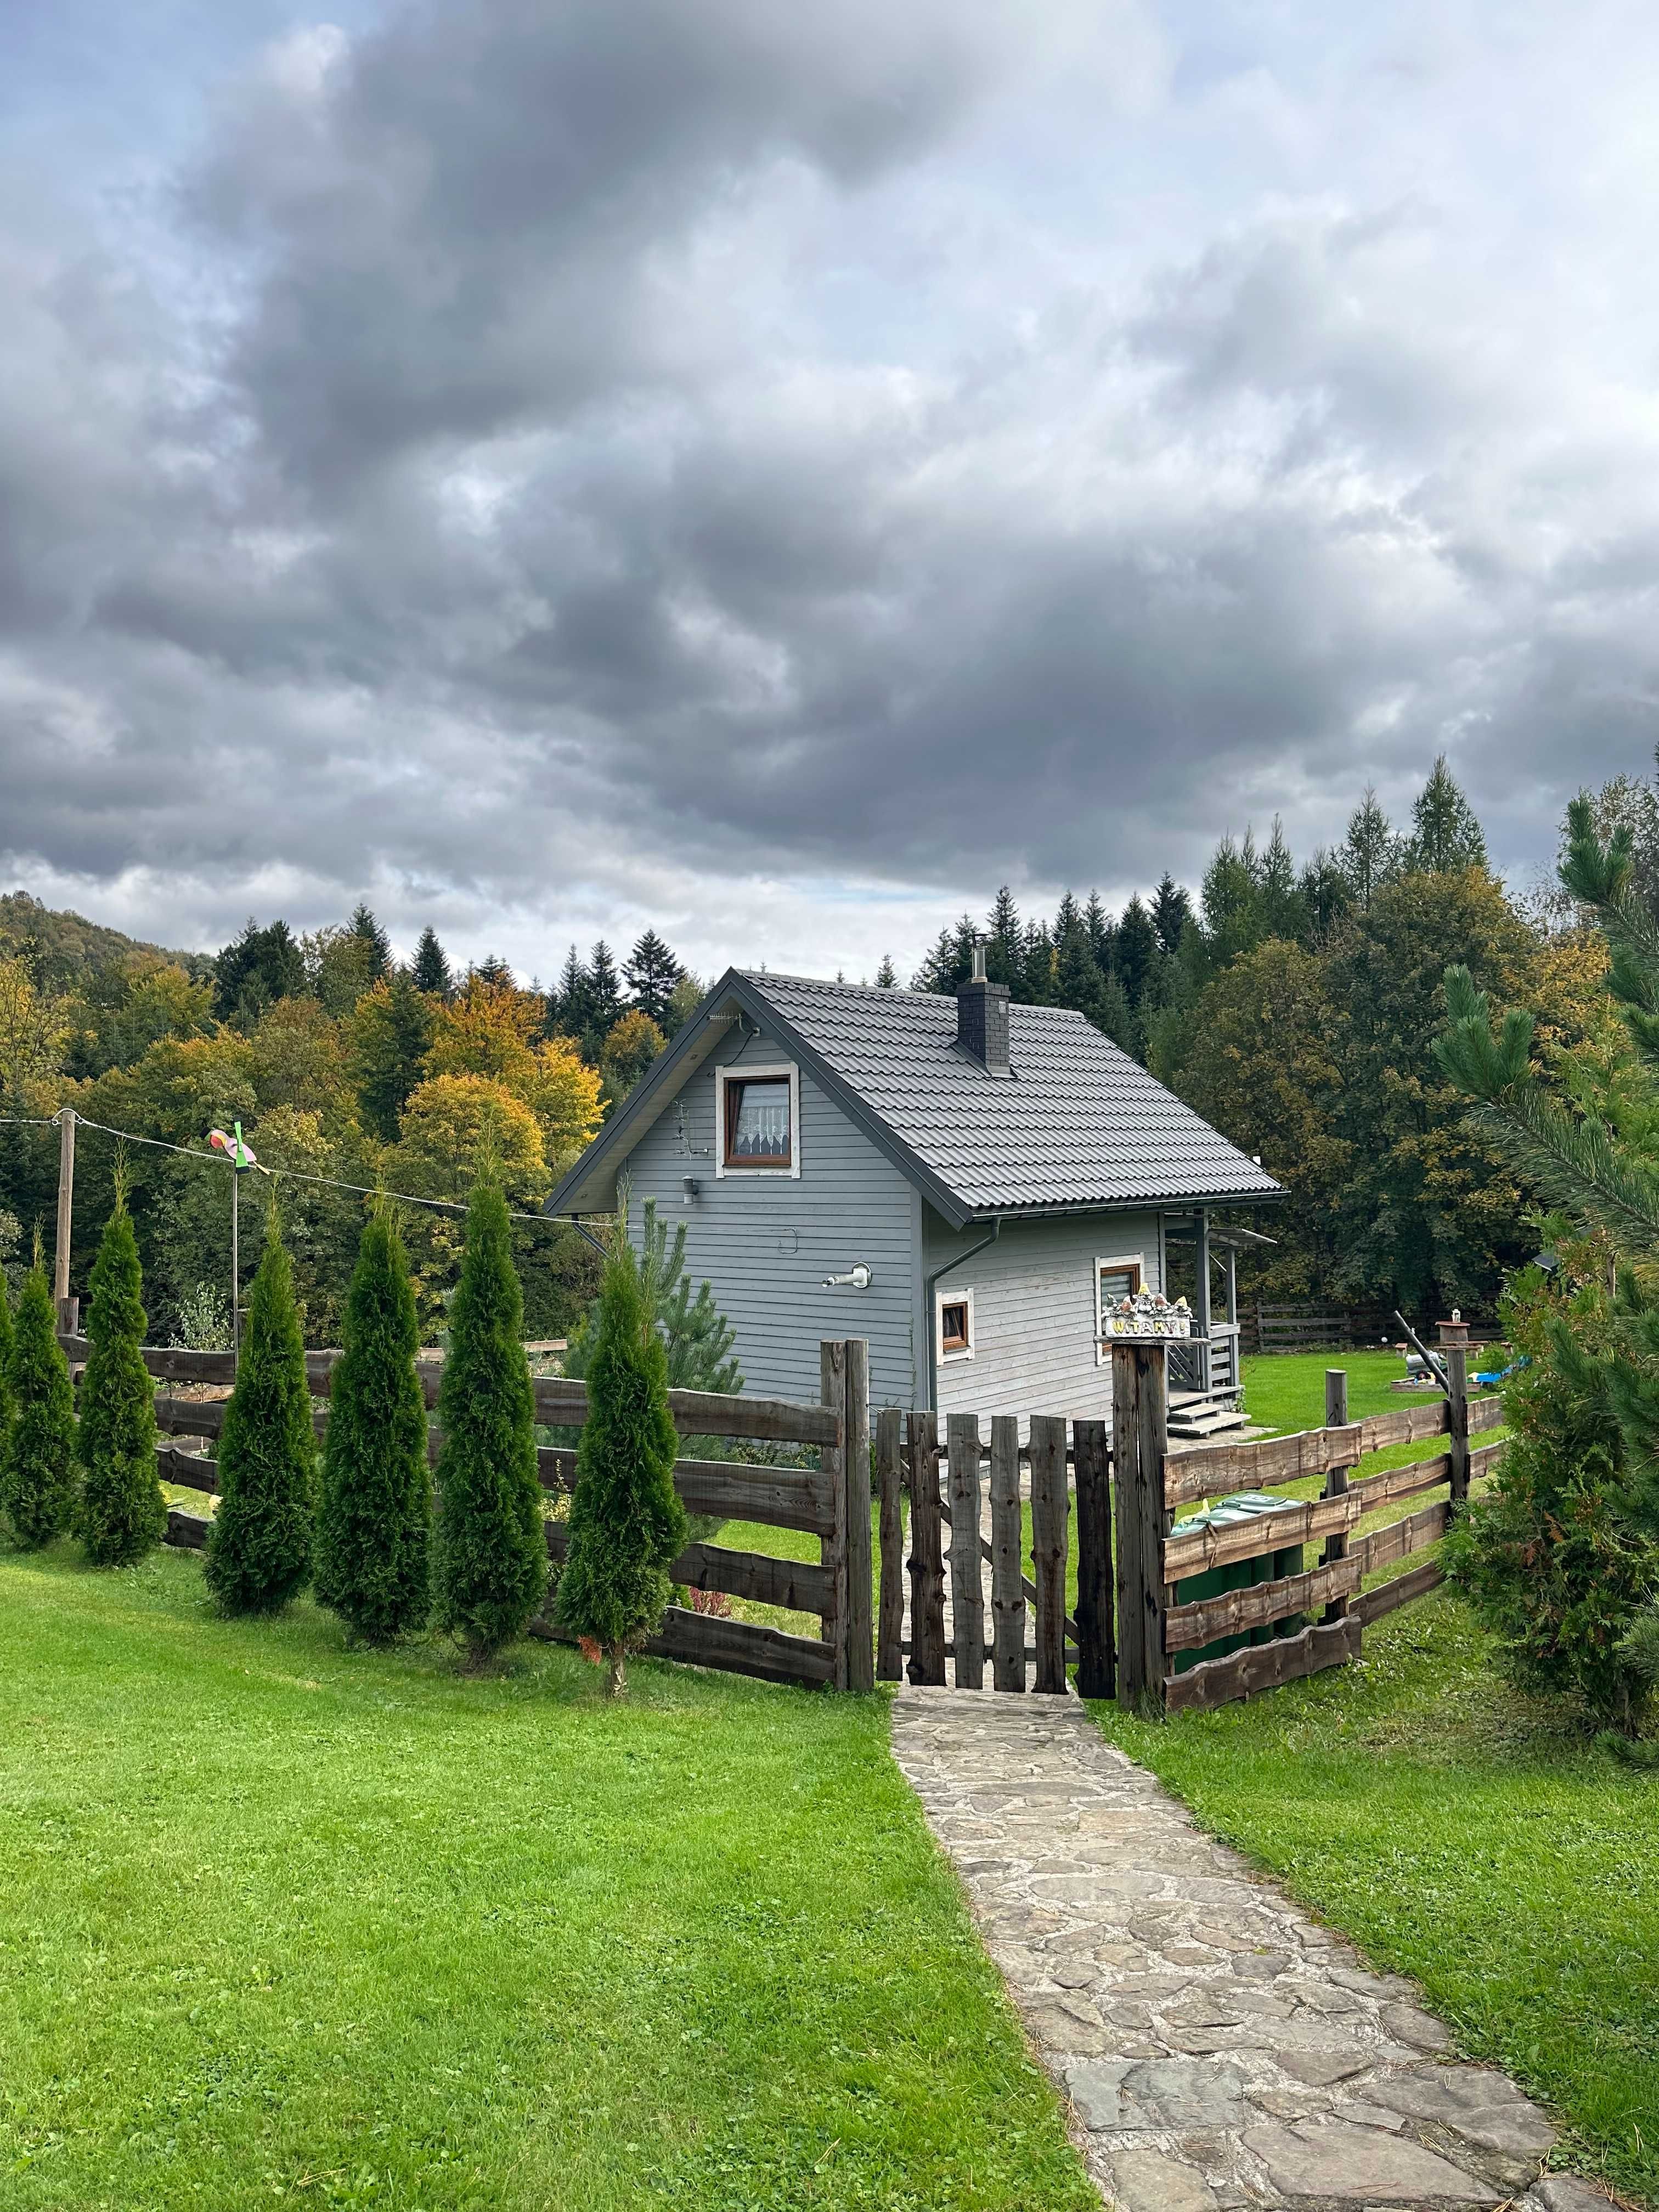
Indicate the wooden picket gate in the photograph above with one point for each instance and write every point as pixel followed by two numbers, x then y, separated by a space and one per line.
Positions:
pixel 946 1490
pixel 828 1501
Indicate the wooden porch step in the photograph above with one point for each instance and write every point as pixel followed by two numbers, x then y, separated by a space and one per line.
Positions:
pixel 1205 1418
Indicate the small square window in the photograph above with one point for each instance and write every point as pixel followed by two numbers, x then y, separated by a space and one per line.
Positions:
pixel 758 1128
pixel 956 1325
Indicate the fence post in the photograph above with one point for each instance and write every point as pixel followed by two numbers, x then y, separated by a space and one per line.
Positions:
pixel 844 1370
pixel 1336 1479
pixel 1007 1551
pixel 967 1580
pixel 890 1471
pixel 832 1548
pixel 926 1560
pixel 68 1309
pixel 1141 1445
pixel 1457 1419
pixel 1097 1647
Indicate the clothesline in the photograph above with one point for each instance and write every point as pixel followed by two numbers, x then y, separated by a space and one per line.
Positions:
pixel 294 1175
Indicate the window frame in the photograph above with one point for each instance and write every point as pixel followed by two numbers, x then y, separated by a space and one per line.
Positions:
pixel 942 1297
pixel 1135 1261
pixel 741 1073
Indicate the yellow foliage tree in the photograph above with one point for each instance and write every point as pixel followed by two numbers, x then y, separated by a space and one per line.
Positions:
pixel 565 1096
pixel 33 1032
pixel 486 1031
pixel 447 1121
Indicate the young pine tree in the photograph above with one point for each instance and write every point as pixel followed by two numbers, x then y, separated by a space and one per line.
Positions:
pixel 123 1514
pixel 39 1494
pixel 626 1524
pixel 489 1551
pixel 259 1549
pixel 374 1525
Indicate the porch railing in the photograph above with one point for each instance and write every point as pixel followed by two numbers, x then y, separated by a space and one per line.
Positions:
pixel 1209 1362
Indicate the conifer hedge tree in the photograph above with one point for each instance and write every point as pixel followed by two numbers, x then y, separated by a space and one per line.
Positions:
pixel 259 1548
pixel 8 1395
pixel 489 1551
pixel 40 1495
pixel 374 1529
pixel 627 1525
pixel 123 1514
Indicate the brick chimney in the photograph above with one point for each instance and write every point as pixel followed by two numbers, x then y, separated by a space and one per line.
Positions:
pixel 982 1018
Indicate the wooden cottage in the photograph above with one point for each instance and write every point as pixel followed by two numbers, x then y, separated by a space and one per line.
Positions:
pixel 971 1185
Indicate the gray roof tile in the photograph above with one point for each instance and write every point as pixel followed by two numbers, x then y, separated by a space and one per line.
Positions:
pixel 1080 1123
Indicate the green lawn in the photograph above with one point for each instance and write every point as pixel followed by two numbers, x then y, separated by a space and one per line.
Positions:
pixel 1462 1834
pixel 282 1922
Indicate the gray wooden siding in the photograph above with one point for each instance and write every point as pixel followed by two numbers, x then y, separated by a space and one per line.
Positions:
pixel 765 1242
pixel 1034 1335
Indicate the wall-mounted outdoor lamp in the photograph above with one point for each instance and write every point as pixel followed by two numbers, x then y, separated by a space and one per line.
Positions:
pixel 857 1278
pixel 689 1187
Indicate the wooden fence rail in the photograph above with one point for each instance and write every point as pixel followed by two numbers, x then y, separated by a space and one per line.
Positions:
pixel 828 1501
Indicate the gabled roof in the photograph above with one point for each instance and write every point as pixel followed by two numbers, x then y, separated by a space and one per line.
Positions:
pixel 1078 1125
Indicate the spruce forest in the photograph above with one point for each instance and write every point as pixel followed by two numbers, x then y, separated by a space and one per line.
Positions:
pixel 1292 1003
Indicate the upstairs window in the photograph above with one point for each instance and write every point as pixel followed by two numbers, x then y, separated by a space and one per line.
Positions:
pixel 760 1115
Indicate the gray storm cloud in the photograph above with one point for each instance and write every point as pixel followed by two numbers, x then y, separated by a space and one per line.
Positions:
pixel 557 462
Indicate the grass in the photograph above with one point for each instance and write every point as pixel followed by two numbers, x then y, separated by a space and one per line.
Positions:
pixel 1467 1837
pixel 283 1923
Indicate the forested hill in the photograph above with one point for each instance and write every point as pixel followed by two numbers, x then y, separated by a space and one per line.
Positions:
pixel 66 951
pixel 1294 1003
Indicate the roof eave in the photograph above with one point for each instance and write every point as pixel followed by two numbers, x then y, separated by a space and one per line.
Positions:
pixel 642 1103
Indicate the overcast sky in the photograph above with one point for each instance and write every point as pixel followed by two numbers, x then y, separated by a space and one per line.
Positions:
pixel 776 472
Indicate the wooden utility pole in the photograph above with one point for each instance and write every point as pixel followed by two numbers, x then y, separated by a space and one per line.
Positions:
pixel 1139 1447
pixel 68 1309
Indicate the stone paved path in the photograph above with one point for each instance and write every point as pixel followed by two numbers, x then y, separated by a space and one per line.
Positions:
pixel 1215 2047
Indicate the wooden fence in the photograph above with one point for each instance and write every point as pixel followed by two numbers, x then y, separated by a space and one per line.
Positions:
pixel 1319 1328
pixel 1129 1487
pixel 828 1501
pixel 1152 1485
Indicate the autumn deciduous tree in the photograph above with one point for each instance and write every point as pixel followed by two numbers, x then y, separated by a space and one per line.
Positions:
pixel 447 1120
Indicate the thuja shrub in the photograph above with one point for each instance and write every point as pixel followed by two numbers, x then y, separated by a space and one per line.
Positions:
pixel 627 1525
pixel 8 1395
pixel 123 1514
pixel 489 1551
pixel 373 1529
pixel 39 1494
pixel 259 1548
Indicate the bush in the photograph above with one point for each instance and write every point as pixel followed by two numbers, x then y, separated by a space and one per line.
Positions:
pixel 490 1545
pixel 39 1496
pixel 374 1527
pixel 258 1553
pixel 123 1514
pixel 1552 1556
pixel 627 1526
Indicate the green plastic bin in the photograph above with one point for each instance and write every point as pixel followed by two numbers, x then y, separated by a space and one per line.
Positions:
pixel 1236 1574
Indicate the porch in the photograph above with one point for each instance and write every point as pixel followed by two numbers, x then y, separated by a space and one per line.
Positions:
pixel 1206 1380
